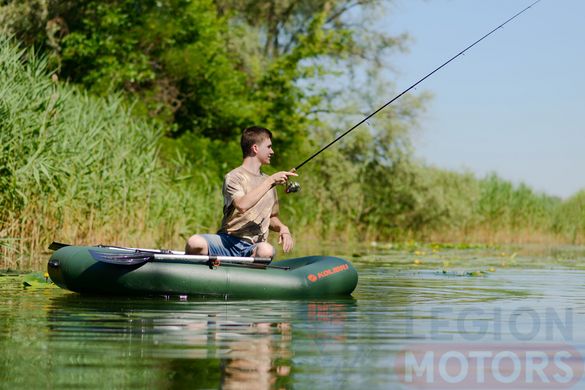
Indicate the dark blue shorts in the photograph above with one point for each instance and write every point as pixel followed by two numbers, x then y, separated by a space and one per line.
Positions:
pixel 225 245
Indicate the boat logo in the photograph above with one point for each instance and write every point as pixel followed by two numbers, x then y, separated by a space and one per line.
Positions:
pixel 327 272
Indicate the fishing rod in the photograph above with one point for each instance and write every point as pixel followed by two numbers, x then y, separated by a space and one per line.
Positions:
pixel 295 187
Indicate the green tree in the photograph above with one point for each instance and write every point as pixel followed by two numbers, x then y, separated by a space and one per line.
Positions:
pixel 204 67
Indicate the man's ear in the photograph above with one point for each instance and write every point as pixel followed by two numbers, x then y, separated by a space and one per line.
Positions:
pixel 255 149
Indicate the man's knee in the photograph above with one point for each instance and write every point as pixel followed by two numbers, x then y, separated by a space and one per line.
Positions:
pixel 196 245
pixel 264 249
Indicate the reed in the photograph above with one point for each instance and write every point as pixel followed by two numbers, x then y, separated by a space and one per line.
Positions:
pixel 77 168
pixel 85 170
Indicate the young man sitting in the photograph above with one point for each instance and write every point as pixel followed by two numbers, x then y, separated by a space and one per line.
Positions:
pixel 250 205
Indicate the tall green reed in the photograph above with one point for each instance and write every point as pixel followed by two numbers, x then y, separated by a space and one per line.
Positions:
pixel 77 168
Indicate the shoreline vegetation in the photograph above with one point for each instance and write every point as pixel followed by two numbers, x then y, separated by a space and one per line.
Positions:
pixel 126 163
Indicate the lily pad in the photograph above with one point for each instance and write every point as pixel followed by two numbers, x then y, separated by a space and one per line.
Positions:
pixel 460 273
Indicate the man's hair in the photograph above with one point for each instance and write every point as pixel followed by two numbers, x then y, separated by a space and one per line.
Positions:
pixel 253 135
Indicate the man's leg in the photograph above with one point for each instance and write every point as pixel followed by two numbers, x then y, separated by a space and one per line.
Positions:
pixel 196 245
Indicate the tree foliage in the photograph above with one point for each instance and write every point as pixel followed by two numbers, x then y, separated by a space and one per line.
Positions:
pixel 200 66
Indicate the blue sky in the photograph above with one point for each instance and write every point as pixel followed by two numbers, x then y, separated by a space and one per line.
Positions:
pixel 514 104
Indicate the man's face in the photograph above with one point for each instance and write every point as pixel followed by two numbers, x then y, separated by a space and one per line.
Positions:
pixel 264 152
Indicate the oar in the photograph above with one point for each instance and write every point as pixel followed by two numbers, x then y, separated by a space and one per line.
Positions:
pixel 58 245
pixel 138 257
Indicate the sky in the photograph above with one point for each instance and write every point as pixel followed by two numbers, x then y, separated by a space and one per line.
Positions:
pixel 514 104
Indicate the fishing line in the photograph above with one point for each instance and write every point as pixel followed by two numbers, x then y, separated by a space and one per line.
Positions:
pixel 294 187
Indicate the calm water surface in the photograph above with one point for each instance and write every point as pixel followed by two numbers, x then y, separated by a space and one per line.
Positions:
pixel 517 311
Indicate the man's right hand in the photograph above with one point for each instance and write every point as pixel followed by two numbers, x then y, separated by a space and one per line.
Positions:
pixel 281 177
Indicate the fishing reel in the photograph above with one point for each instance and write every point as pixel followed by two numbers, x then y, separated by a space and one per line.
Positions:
pixel 292 186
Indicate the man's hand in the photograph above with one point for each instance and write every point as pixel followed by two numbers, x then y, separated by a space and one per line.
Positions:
pixel 281 177
pixel 285 238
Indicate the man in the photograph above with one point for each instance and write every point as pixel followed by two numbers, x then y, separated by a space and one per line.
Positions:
pixel 250 205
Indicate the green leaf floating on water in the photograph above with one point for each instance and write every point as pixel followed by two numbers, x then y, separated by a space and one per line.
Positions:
pixel 37 279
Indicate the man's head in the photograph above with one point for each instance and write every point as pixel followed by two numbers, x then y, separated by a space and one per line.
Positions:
pixel 253 138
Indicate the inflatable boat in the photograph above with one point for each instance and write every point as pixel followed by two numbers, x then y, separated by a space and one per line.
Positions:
pixel 147 272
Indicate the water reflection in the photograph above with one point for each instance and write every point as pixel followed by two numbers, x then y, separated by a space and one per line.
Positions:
pixel 260 362
pixel 52 338
pixel 246 344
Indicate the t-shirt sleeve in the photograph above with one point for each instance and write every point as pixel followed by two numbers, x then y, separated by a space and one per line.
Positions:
pixel 233 187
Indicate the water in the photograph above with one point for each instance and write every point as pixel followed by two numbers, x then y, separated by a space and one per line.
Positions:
pixel 408 304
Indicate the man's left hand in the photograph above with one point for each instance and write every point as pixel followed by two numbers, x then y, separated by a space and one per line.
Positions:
pixel 285 238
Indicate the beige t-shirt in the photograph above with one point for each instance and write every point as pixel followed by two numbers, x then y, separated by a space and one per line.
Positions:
pixel 253 224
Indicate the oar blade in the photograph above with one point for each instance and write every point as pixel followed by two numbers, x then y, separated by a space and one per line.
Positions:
pixel 122 258
pixel 57 245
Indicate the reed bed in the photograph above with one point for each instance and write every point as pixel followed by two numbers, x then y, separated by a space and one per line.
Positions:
pixel 80 169
pixel 77 168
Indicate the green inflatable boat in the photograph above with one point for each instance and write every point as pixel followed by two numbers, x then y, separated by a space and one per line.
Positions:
pixel 134 271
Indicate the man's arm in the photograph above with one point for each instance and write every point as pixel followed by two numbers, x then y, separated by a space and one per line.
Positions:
pixel 284 236
pixel 245 202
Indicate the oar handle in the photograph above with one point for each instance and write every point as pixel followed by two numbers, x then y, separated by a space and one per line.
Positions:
pixel 226 259
pixel 147 250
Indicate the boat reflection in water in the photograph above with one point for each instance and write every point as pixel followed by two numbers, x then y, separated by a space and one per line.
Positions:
pixel 175 343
